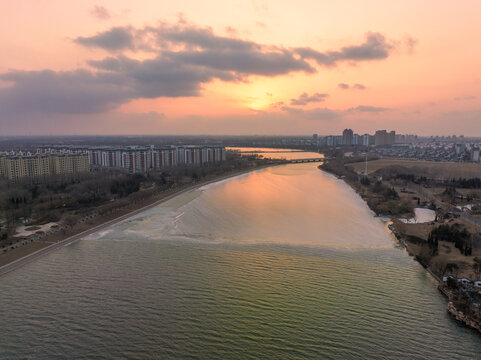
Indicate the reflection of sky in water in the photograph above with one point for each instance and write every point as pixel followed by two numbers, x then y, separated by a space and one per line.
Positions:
pixel 290 204
pixel 279 153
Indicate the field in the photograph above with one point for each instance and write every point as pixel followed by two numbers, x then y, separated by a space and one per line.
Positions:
pixel 437 170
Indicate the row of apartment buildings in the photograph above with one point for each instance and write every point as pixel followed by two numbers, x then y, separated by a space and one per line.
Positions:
pixel 19 166
pixel 349 138
pixel 143 159
pixel 53 161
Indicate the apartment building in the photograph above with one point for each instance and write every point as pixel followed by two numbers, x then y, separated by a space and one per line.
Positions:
pixel 20 166
pixel 144 159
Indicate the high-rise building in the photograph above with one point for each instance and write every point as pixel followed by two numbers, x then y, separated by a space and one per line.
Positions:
pixel 356 139
pixel 347 136
pixel 391 138
pixel 475 155
pixel 366 140
pixel 382 137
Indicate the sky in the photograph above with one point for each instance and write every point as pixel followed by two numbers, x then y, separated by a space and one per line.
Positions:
pixel 238 67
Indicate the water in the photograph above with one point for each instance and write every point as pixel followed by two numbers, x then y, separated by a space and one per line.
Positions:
pixel 281 263
pixel 276 153
pixel 421 215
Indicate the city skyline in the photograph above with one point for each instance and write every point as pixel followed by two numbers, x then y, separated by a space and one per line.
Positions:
pixel 234 68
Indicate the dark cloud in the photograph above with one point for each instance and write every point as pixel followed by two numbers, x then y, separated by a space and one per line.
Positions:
pixel 100 12
pixel 83 91
pixel 117 38
pixel 367 108
pixel 202 45
pixel 189 44
pixel 78 91
pixel 184 57
pixel 244 63
pixel 343 86
pixel 375 47
pixel 304 98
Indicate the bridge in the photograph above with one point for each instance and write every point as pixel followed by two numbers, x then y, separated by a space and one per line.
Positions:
pixel 297 161
pixel 268 151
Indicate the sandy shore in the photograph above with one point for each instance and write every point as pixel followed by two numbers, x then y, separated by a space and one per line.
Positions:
pixel 18 257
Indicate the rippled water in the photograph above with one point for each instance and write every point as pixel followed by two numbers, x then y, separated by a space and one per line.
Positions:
pixel 281 263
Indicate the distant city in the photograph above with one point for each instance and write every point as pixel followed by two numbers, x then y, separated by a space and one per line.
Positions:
pixel 24 157
pixel 390 144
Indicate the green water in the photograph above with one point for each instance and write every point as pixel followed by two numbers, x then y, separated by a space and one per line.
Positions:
pixel 283 263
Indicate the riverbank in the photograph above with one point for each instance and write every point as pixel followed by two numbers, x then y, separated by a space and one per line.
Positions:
pixel 22 255
pixel 439 258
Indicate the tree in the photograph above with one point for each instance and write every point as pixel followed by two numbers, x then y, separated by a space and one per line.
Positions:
pixel 365 181
pixel 70 220
pixel 451 267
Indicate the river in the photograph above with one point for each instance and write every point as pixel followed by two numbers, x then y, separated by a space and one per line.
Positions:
pixel 281 263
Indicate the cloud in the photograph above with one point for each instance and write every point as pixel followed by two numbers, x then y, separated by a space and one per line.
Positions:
pixel 117 38
pixel 358 87
pixel 410 43
pixel 367 108
pixel 344 86
pixel 201 45
pixel 181 59
pixel 100 12
pixel 78 91
pixel 84 91
pixel 189 44
pixel 304 98
pixel 375 47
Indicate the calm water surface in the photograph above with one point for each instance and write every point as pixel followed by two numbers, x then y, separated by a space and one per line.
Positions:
pixel 281 263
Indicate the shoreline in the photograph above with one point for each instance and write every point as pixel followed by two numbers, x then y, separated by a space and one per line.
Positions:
pixel 36 253
pixel 456 313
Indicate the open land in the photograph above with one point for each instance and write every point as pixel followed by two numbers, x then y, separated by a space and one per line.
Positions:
pixel 437 170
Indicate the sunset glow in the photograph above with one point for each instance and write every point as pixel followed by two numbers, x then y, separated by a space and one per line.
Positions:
pixel 239 67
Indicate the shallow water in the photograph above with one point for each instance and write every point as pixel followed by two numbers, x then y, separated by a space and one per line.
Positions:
pixel 286 262
pixel 421 215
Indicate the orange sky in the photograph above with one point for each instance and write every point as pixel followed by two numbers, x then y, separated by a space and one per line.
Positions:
pixel 179 67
